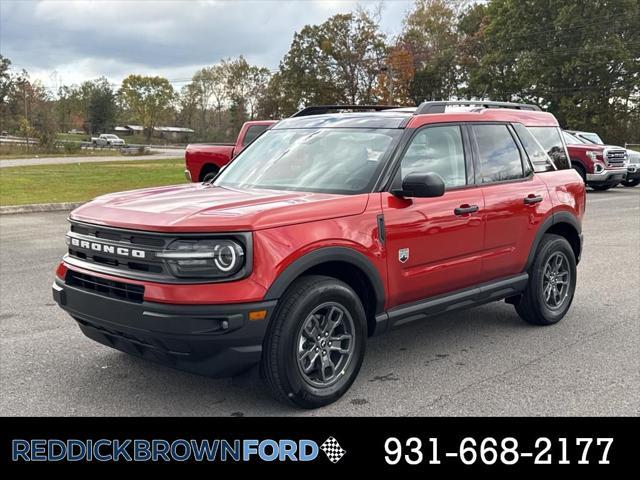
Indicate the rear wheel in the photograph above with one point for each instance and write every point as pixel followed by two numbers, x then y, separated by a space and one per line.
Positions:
pixel 552 283
pixel 316 342
pixel 208 173
pixel 631 183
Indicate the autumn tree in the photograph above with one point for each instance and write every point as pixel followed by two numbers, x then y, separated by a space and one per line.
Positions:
pixel 394 82
pixel 210 87
pixel 147 99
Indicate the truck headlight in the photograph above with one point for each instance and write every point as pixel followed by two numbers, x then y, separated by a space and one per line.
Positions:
pixel 211 258
pixel 593 155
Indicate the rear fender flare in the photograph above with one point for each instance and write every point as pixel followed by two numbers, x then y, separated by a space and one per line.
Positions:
pixel 553 219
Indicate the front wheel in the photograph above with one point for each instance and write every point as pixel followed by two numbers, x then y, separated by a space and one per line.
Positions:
pixel 315 344
pixel 631 183
pixel 552 283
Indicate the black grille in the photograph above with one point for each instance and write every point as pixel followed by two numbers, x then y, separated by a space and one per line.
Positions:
pixel 107 288
pixel 150 244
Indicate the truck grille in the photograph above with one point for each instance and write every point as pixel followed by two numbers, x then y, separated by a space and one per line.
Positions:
pixel 615 157
pixel 117 251
pixel 104 287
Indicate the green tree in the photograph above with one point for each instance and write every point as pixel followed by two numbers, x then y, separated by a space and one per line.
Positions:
pixel 101 106
pixel 430 34
pixel 245 84
pixel 146 99
pixel 6 79
pixel 337 61
pixel 578 59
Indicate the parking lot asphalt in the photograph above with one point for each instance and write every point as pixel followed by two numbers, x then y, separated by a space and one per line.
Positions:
pixel 483 361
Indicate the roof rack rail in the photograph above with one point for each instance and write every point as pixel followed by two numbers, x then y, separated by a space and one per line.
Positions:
pixel 322 109
pixel 439 106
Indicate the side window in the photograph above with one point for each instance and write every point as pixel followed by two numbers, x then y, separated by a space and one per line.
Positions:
pixel 549 138
pixel 538 156
pixel 253 132
pixel 498 153
pixel 438 150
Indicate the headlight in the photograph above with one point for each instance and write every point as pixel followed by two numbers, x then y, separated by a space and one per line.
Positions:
pixel 204 258
pixel 593 155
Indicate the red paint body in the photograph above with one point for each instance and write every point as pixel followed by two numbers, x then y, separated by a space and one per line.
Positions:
pixel 203 158
pixel 448 252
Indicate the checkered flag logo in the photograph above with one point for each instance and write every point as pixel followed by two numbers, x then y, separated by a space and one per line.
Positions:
pixel 333 450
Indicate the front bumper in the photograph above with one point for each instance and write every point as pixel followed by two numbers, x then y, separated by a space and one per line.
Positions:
pixel 211 340
pixel 607 177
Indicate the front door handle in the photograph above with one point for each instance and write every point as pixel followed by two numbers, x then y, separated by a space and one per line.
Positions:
pixel 531 199
pixel 464 209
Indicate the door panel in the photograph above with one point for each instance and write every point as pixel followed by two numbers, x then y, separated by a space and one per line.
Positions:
pixel 512 224
pixel 444 249
pixel 514 199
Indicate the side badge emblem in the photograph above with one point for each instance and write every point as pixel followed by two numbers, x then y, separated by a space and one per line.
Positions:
pixel 403 255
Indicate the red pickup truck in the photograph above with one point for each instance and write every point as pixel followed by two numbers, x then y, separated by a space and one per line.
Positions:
pixel 330 228
pixel 203 161
pixel 600 166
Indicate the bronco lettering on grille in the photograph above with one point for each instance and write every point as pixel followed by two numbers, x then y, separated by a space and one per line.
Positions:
pixel 99 247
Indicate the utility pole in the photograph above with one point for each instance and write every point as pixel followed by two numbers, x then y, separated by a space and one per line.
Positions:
pixel 26 112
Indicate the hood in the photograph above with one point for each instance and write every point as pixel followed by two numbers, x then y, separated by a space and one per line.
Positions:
pixel 592 146
pixel 201 207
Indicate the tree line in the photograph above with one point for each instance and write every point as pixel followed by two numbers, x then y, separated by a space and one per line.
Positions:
pixel 579 59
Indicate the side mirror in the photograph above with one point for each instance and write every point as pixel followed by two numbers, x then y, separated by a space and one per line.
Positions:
pixel 421 185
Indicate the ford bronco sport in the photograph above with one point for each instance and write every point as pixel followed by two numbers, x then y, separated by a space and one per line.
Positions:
pixel 329 228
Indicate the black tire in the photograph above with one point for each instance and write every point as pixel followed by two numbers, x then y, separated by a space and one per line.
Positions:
pixel 580 169
pixel 533 308
pixel 631 183
pixel 280 366
pixel 601 188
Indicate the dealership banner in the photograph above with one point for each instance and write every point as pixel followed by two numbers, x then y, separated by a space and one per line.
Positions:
pixel 388 444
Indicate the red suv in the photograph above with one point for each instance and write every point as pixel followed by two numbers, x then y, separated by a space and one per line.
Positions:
pixel 329 228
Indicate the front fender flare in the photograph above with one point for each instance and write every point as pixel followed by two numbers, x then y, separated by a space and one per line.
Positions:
pixel 325 255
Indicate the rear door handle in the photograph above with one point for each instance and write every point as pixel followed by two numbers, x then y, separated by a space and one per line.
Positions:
pixel 463 209
pixel 531 199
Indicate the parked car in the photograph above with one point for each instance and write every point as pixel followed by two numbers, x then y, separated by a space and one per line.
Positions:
pixel 633 169
pixel 203 161
pixel 107 140
pixel 600 166
pixel 326 230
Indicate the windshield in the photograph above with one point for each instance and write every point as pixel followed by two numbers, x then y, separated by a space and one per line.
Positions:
pixel 325 160
pixel 592 138
pixel 572 139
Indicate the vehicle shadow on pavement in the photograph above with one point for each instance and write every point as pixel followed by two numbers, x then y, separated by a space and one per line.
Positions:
pixel 433 342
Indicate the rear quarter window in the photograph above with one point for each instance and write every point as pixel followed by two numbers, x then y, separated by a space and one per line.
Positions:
pixel 551 140
pixel 537 155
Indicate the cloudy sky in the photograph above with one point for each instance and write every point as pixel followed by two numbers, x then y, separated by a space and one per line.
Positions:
pixel 65 42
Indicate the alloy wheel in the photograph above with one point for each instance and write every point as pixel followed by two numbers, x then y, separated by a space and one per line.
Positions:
pixel 325 344
pixel 556 281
